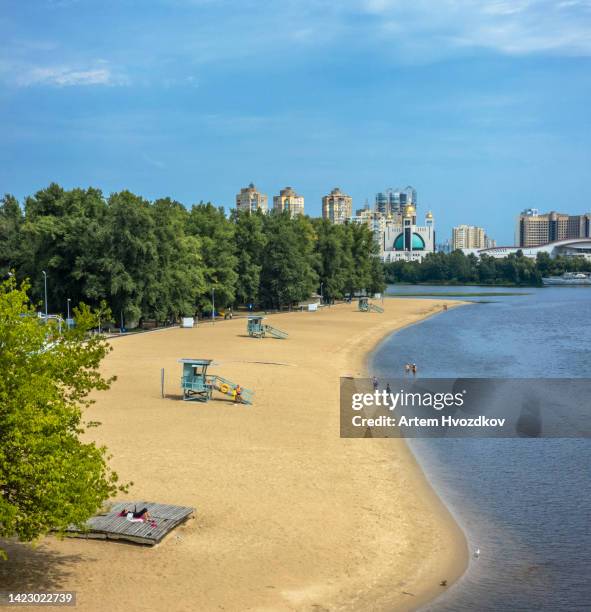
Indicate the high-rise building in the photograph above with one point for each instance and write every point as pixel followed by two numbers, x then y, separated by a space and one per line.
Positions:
pixel 374 220
pixel 337 207
pixel 383 202
pixel 250 199
pixel 468 237
pixel 288 200
pixel 534 229
pixel 392 201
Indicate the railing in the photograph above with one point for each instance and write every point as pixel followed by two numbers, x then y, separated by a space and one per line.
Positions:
pixel 193 383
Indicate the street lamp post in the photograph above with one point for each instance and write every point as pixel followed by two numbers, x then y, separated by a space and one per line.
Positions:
pixel 69 300
pixel 213 305
pixel 45 283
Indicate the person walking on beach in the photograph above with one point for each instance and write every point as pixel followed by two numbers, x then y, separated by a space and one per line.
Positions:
pixel 407 369
pixel 414 369
pixel 388 390
pixel 238 394
pixel 375 383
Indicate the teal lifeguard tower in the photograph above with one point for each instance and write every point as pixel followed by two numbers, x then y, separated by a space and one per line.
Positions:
pixel 257 329
pixel 194 382
pixel 198 385
pixel 365 306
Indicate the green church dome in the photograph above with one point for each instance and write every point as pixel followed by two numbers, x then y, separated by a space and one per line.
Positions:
pixel 418 244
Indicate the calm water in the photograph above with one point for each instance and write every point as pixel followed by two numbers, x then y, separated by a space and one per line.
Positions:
pixel 524 503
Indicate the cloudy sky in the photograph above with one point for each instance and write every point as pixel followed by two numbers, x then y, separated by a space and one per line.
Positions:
pixel 483 106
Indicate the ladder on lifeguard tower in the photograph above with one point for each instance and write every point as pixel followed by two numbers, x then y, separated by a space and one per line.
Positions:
pixel 227 387
pixel 276 333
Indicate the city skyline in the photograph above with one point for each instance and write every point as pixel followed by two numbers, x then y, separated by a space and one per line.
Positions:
pixel 193 99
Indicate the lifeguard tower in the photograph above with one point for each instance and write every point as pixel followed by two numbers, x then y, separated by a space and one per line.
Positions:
pixel 257 329
pixel 194 382
pixel 365 306
pixel 198 385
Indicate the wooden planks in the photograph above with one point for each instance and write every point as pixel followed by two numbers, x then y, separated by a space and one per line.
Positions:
pixel 111 526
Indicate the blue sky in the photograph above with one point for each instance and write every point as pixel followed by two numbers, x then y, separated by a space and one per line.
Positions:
pixel 483 106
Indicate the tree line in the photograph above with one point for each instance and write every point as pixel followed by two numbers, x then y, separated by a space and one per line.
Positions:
pixel 458 268
pixel 160 260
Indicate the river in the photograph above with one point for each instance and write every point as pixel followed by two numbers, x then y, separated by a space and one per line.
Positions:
pixel 524 503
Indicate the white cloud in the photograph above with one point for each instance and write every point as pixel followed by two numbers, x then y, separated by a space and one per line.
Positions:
pixel 68 76
pixel 510 27
pixel 224 32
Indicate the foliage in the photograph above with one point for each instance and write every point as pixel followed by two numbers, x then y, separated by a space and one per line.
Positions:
pixel 457 268
pixel 347 260
pixel 11 219
pixel 49 478
pixel 250 239
pixel 131 254
pixel 158 260
pixel 216 235
pixel 287 274
pixel 179 276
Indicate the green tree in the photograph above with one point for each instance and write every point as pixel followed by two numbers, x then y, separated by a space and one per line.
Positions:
pixel 11 219
pixel 131 257
pixel 179 277
pixel 49 478
pixel 434 268
pixel 249 240
pixel 287 274
pixel 65 234
pixel 333 263
pixel 216 237
pixel 377 282
pixel 487 270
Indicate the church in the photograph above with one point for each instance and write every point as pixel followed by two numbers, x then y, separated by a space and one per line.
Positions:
pixel 403 240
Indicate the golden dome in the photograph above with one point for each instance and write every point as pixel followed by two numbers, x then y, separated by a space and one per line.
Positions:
pixel 409 210
pixel 429 215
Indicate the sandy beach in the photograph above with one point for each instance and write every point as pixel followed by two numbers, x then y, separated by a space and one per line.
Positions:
pixel 289 516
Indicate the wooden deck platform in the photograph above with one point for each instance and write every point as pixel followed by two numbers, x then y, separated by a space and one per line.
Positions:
pixel 110 526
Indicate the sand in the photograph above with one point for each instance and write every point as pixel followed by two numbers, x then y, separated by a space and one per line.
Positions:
pixel 289 515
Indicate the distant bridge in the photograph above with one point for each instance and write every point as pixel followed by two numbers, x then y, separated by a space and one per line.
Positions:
pixel 570 248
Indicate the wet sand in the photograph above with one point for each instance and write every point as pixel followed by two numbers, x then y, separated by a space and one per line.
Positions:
pixel 289 516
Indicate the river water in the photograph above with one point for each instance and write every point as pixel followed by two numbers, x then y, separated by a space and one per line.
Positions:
pixel 524 503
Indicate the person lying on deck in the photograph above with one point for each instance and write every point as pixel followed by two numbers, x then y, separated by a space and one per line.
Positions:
pixel 136 515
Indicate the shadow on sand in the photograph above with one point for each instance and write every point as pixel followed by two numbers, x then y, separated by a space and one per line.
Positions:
pixel 34 569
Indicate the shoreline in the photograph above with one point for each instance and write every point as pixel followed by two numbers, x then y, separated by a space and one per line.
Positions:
pixel 458 561
pixel 289 516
